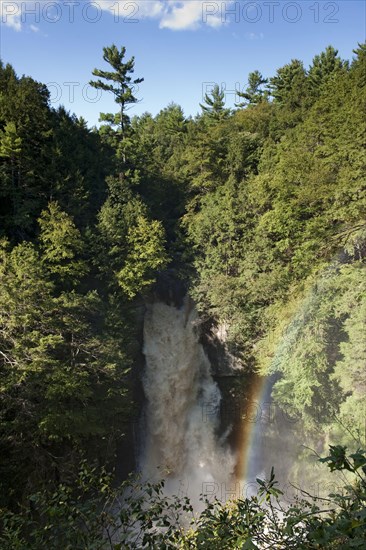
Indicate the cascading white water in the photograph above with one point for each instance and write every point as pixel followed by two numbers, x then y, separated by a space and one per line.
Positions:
pixel 180 440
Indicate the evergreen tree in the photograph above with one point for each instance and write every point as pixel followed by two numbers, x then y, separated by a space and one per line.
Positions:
pixel 146 255
pixel 359 63
pixel 214 109
pixel 10 152
pixel 158 149
pixel 288 87
pixel 120 84
pixel 10 143
pixel 62 245
pixel 80 163
pixel 323 66
pixel 254 93
pixel 26 123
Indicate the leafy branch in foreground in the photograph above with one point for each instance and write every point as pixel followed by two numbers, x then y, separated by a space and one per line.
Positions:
pixel 93 514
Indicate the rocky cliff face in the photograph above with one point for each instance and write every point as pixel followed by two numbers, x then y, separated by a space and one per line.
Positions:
pixel 215 342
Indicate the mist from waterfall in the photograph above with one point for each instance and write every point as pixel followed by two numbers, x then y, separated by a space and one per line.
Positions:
pixel 182 404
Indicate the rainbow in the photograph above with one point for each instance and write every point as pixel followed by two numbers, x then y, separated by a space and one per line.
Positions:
pixel 254 404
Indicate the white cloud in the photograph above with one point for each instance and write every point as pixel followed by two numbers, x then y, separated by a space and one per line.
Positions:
pixel 146 8
pixel 181 15
pixel 16 13
pixel 10 13
pixel 188 14
pixel 170 14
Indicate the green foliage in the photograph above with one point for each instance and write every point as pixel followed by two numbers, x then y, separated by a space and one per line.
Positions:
pixel 146 255
pixel 299 197
pixel 24 112
pixel 157 147
pixel 58 366
pixel 320 350
pixel 44 155
pixel 93 514
pixel 121 83
pixel 214 110
pixel 254 93
pixel 323 67
pixel 80 164
pixel 10 143
pixel 287 87
pixel 135 244
pixel 61 245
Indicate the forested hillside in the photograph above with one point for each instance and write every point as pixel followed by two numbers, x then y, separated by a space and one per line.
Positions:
pixel 265 212
pixel 78 243
pixel 260 210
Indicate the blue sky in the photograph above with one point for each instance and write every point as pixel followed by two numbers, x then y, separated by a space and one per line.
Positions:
pixel 181 47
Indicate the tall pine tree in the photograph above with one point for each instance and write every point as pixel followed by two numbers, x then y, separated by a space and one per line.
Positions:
pixel 121 85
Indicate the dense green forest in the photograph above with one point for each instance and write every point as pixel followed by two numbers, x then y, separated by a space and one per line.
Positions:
pixel 260 210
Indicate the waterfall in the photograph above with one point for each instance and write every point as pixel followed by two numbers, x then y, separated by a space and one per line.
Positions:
pixel 182 405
